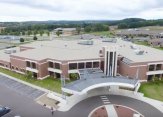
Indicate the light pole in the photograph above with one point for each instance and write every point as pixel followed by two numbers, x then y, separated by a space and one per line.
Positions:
pixel 63 85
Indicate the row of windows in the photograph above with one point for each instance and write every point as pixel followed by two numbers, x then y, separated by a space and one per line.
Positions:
pixel 73 66
pixel 54 65
pixel 1 64
pixel 31 64
pixel 155 67
pixel 18 69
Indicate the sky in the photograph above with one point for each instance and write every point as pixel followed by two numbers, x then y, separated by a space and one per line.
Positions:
pixel 42 10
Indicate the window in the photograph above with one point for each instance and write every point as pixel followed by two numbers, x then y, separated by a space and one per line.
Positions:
pixel 12 67
pixel 51 64
pixel 151 67
pixel 72 66
pixel 158 66
pixel 34 65
pixel 81 65
pixel 1 64
pixel 57 66
pixel 17 69
pixel 95 64
pixel 22 70
pixel 28 64
pixel 34 75
pixel 89 65
pixel 102 65
pixel 158 76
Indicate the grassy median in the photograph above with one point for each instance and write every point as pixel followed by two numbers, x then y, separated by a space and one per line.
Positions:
pixel 48 83
pixel 152 90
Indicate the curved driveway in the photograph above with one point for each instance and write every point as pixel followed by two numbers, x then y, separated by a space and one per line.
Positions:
pixel 83 108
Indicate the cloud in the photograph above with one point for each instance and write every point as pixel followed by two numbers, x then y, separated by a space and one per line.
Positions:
pixel 51 5
pixel 79 9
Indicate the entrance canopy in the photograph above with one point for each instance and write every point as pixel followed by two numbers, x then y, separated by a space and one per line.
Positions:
pixel 95 79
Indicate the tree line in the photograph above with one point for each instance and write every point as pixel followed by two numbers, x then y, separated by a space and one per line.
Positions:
pixel 46 28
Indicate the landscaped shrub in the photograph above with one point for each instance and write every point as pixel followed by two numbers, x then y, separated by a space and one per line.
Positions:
pixel 74 76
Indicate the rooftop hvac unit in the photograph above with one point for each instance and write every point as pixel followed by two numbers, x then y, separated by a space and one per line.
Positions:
pixel 109 40
pixel 133 46
pixel 9 51
pixel 139 52
pixel 86 42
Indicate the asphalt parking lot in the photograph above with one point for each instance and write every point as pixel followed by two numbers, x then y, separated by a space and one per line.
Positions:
pixel 20 88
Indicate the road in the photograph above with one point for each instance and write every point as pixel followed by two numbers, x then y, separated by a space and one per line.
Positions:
pixel 26 107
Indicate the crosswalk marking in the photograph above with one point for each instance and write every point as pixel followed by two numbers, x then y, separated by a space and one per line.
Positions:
pixel 106 102
pixel 105 99
pixel 103 96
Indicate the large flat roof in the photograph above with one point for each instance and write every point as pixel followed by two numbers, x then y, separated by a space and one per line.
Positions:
pixel 67 49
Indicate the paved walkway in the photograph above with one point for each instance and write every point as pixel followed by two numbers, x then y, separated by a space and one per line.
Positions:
pixel 111 111
pixel 44 100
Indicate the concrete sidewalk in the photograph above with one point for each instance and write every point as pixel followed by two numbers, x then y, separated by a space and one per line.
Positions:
pixel 111 111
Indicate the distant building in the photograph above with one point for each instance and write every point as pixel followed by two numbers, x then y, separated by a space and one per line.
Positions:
pixel 1 28
pixel 140 33
pixel 156 42
pixel 65 31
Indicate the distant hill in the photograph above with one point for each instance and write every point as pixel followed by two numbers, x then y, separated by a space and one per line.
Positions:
pixel 125 23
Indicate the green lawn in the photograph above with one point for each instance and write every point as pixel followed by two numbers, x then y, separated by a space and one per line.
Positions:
pixel 146 44
pixel 48 83
pixel 142 43
pixel 103 33
pixel 152 90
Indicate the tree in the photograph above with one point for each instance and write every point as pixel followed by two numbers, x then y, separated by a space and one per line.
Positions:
pixel 23 33
pixel 29 74
pixel 35 32
pixel 100 27
pixel 122 26
pixel 58 33
pixel 74 76
pixel 48 33
pixel 34 38
pixel 41 32
pixel 21 40
pixel 78 29
pixel 29 33
pixel 87 29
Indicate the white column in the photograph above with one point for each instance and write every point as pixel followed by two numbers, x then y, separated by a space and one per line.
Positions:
pixel 108 65
pixel 105 65
pixel 113 64
pixel 115 71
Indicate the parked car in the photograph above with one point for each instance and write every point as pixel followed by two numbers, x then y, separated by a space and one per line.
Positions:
pixel 4 110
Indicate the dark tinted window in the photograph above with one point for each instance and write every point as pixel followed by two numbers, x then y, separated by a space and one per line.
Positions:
pixel 81 65
pixel 158 66
pixel 57 66
pixel 51 65
pixel 95 64
pixel 89 65
pixel 34 65
pixel 151 67
pixel 72 66
pixel 28 64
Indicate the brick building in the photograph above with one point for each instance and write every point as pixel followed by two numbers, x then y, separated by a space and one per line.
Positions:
pixel 63 57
